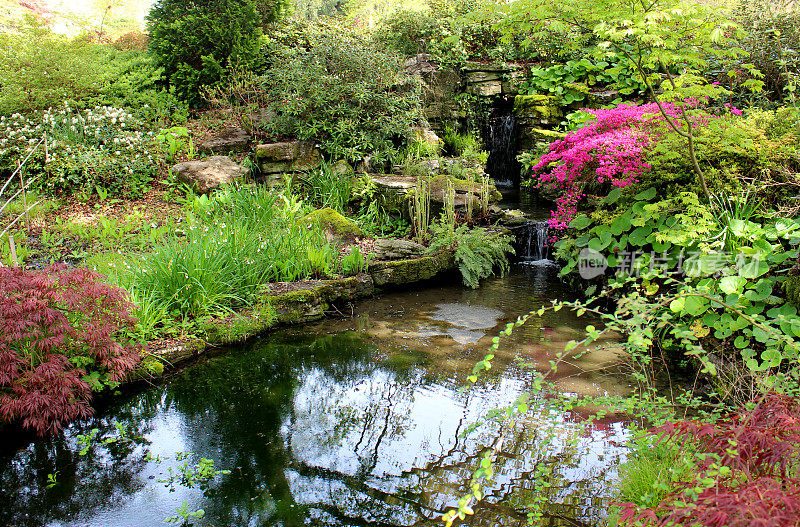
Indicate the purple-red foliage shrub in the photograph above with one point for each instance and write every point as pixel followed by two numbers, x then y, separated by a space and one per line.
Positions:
pixel 610 150
pixel 62 334
pixel 760 446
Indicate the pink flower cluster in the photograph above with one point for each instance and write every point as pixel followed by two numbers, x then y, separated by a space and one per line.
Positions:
pixel 611 150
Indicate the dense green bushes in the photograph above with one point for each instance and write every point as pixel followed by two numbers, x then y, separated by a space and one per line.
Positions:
pixel 340 91
pixel 197 43
pixel 453 32
pixel 39 69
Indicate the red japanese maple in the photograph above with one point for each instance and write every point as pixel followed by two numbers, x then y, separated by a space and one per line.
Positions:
pixel 57 326
pixel 761 447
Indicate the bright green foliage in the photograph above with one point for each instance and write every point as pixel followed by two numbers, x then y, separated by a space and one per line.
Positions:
pixel 39 69
pixel 572 80
pixel 478 251
pixel 198 42
pixel 759 146
pixel 174 142
pixel 341 92
pixel 135 81
pixel 653 469
pixel 232 244
pixel 450 31
pixel 726 311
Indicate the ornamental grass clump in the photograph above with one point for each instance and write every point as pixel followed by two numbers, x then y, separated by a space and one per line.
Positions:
pixel 63 334
pixel 233 243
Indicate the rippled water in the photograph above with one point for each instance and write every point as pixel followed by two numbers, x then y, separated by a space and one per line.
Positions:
pixel 350 421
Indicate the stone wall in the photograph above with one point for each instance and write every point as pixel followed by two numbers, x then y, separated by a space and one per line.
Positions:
pixel 536 115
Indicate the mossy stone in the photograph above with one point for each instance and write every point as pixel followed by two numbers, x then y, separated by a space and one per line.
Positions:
pixel 335 225
pixel 538 106
pixel 399 272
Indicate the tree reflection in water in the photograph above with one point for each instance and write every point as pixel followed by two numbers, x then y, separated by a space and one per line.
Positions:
pixel 315 431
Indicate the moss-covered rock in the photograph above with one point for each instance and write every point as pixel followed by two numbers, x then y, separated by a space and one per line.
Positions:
pixel 537 106
pixel 401 272
pixel 335 225
pixel 311 303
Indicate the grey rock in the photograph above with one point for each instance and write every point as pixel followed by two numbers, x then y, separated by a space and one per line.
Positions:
pixel 288 156
pixel 421 63
pixel 396 249
pixel 209 174
pixel 226 141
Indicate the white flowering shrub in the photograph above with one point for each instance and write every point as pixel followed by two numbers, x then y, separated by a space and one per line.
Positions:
pixel 99 148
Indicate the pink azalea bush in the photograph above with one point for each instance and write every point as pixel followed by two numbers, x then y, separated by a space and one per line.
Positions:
pixel 611 150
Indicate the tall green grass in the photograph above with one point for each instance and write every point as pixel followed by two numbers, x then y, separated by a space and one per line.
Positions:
pixel 233 243
pixel 651 471
pixel 327 188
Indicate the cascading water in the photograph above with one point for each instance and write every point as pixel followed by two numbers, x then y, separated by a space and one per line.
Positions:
pixel 532 244
pixel 500 139
pixel 538 247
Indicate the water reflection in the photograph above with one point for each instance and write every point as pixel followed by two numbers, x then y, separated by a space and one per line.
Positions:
pixel 349 422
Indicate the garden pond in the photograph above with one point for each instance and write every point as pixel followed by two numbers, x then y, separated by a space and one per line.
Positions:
pixel 354 420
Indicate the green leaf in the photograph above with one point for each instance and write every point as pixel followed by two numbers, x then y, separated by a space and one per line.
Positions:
pixel 753 268
pixel 677 305
pixel 580 222
pixel 613 196
pixel 646 195
pixel 732 284
pixel 695 305
pixel 639 235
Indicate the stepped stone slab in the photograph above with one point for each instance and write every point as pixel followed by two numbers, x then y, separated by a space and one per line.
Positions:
pixel 288 156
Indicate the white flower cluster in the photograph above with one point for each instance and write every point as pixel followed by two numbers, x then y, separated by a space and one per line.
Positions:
pixel 104 127
pixel 73 135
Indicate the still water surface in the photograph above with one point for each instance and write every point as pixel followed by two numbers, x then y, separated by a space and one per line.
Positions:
pixel 350 421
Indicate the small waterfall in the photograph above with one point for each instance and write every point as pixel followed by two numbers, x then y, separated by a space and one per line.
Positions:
pixel 532 243
pixel 500 139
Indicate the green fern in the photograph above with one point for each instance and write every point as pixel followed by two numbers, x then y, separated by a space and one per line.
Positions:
pixel 478 251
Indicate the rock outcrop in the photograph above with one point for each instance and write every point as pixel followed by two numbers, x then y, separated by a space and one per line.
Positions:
pixel 209 174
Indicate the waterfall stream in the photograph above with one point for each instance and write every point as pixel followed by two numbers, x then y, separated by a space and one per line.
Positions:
pixel 500 139
pixel 532 243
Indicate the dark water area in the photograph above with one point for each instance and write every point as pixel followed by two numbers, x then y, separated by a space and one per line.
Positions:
pixel 346 422
pixel 500 138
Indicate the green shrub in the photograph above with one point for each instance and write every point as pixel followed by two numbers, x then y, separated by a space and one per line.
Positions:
pixel 772 43
pixel 198 42
pixel 39 69
pixel 453 32
pixel 760 146
pixel 354 100
pixel 135 81
pixel 478 251
pixel 412 32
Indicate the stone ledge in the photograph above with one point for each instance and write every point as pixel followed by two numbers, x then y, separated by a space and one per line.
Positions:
pixel 305 302
pixel 399 272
